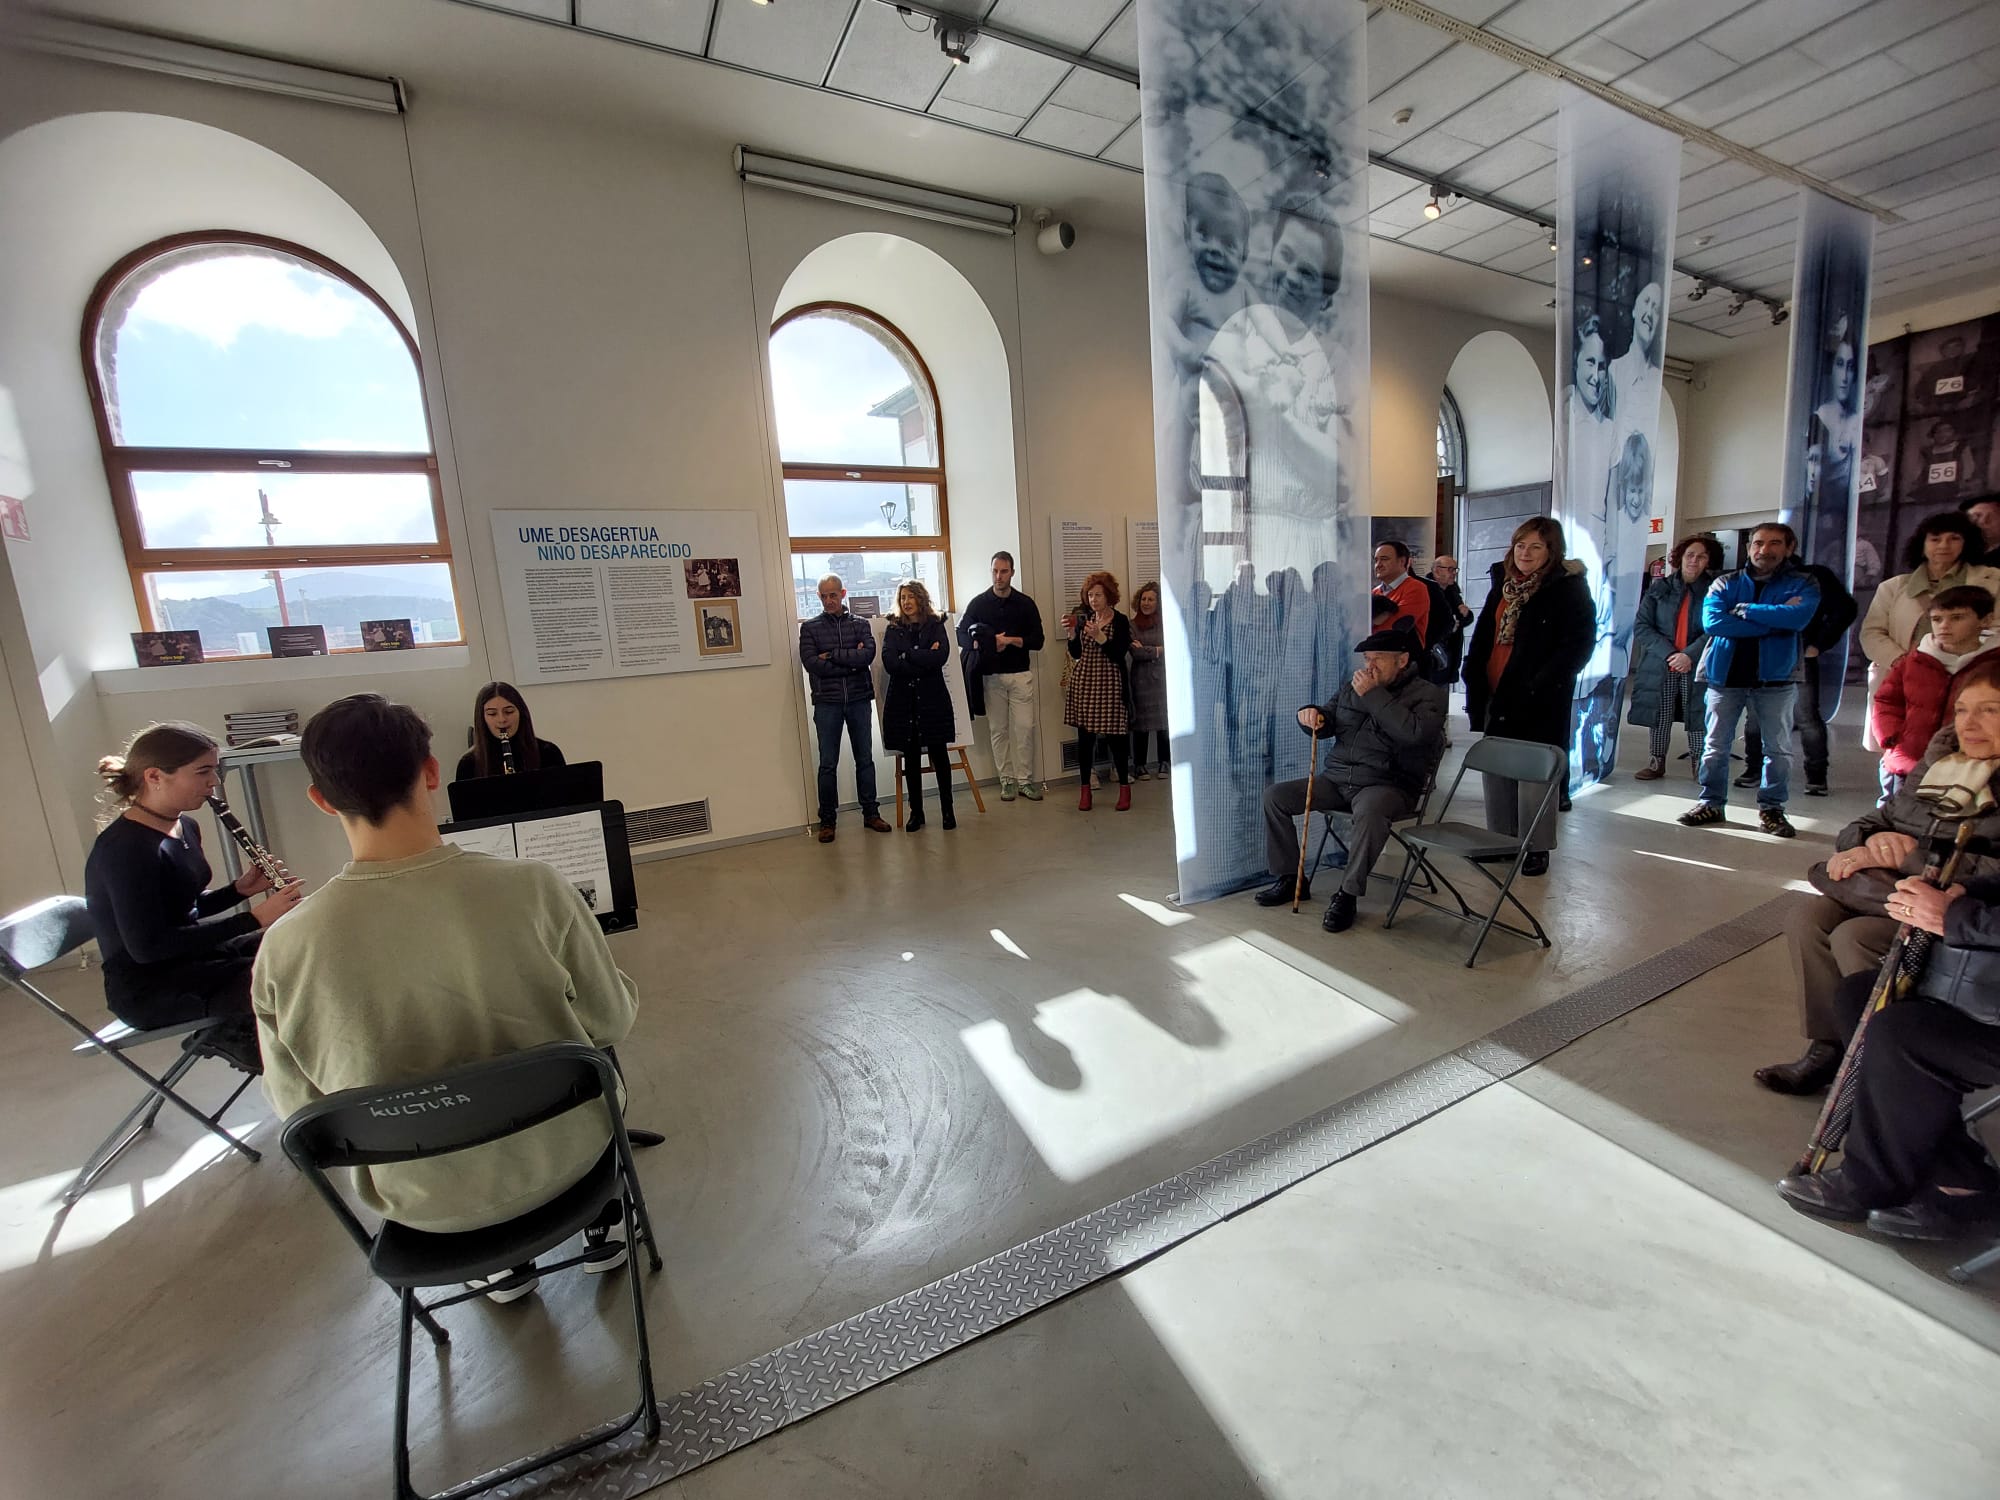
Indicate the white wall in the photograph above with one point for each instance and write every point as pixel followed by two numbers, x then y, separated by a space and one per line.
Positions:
pixel 1509 422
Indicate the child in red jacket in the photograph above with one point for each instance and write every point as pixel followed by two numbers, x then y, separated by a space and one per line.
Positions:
pixel 1916 696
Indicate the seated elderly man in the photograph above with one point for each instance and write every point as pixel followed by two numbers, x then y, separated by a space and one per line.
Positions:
pixel 1387 730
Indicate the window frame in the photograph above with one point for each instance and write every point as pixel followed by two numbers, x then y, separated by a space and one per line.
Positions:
pixel 835 473
pixel 123 461
pixel 1452 422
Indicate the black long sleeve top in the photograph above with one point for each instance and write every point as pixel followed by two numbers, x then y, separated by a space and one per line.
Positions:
pixel 148 900
pixel 987 616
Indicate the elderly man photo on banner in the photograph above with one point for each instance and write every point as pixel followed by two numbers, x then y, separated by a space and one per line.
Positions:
pixel 1618 179
pixel 1256 240
pixel 1823 448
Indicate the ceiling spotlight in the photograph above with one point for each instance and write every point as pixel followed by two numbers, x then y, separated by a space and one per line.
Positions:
pixel 1779 313
pixel 955 41
pixel 1322 166
pixel 1553 246
pixel 1432 210
pixel 1700 291
pixel 1736 303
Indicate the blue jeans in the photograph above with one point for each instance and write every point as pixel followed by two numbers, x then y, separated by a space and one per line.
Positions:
pixel 1771 711
pixel 858 719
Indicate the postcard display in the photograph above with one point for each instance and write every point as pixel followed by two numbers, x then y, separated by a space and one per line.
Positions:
pixel 1930 441
pixel 628 593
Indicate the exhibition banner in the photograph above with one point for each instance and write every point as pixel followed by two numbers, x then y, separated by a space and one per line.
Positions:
pixel 1618 179
pixel 1823 418
pixel 1256 163
pixel 626 593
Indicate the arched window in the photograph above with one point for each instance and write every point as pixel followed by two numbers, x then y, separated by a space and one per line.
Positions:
pixel 267 446
pixel 863 453
pixel 1222 474
pixel 1451 444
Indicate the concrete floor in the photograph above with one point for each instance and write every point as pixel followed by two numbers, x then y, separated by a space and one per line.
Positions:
pixel 880 1060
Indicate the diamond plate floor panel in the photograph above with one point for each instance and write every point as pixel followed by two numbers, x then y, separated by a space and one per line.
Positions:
pixel 813 1373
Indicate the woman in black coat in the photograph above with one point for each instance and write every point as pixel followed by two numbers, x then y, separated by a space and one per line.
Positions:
pixel 1533 637
pixel 1666 654
pixel 916 714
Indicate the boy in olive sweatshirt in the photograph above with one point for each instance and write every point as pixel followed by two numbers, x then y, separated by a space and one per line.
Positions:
pixel 419 957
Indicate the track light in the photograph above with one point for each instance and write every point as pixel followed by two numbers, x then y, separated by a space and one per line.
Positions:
pixel 1700 291
pixel 1736 303
pixel 1553 246
pixel 1779 313
pixel 955 41
pixel 1440 196
pixel 1432 210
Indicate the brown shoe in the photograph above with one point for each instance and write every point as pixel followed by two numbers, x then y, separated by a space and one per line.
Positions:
pixel 826 833
pixel 1811 1073
pixel 876 825
pixel 1655 769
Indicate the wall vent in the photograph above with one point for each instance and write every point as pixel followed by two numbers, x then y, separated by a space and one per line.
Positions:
pixel 1069 754
pixel 649 825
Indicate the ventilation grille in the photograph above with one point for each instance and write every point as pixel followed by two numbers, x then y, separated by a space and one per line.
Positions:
pixel 1069 754
pixel 649 825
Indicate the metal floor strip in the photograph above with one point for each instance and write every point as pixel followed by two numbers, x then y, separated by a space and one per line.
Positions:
pixel 822 1369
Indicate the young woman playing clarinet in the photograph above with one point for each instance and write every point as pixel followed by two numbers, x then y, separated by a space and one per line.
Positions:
pixel 174 950
pixel 503 736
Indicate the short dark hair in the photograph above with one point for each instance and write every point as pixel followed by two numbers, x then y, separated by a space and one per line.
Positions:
pixel 998 555
pixel 364 753
pixel 1702 540
pixel 1401 549
pixel 1957 523
pixel 1965 596
pixel 1791 537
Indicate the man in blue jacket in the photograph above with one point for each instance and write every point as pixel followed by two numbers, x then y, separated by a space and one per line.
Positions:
pixel 1753 617
pixel 838 653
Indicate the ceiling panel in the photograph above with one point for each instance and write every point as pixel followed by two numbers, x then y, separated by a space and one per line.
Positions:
pixel 548 10
pixel 884 59
pixel 1946 130
pixel 1885 110
pixel 1770 24
pixel 1007 79
pixel 1400 215
pixel 795 40
pixel 1655 26
pixel 1436 234
pixel 1503 239
pixel 1725 206
pixel 1071 129
pixel 1725 237
pixel 1973 169
pixel 1523 101
pixel 1676 74
pixel 1397 47
pixel 1068 23
pixel 1120 43
pixel 1547 25
pixel 1535 191
pixel 1596 58
pixel 1973 32
pixel 1447 83
pixel 1516 262
pixel 1829 95
pixel 1912 165
pixel 1385 186
pixel 1472 12
pixel 1699 187
pixel 1496 171
pixel 1094 94
pixel 1877 27
pixel 947 108
pixel 1772 77
pixel 1954 201
pixel 1436 151
pixel 680 24
pixel 1129 149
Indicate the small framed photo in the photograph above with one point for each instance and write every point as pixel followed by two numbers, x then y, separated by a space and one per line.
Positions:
pixel 166 648
pixel 718 632
pixel 713 577
pixel 387 635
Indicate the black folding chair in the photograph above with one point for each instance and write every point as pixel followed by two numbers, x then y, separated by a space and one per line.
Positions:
pixel 41 934
pixel 1986 1259
pixel 1480 846
pixel 460 1109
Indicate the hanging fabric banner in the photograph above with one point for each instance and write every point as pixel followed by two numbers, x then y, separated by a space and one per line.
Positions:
pixel 1823 445
pixel 1618 180
pixel 1256 244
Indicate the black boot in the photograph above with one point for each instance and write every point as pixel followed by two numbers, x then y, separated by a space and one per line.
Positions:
pixel 1279 893
pixel 1812 1072
pixel 1339 913
pixel 945 813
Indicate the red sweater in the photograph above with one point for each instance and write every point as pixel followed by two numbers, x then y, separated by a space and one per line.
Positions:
pixel 1915 701
pixel 1413 601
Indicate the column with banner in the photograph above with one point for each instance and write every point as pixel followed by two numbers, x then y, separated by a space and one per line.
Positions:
pixel 1618 182
pixel 1256 238
pixel 1823 417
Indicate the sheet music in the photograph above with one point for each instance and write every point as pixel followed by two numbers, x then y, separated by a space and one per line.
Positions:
pixel 497 841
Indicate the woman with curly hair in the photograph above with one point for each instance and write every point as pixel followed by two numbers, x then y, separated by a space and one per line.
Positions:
pixel 917 717
pixel 1666 654
pixel 1096 701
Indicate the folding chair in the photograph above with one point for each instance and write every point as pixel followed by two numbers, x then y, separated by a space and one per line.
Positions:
pixel 1986 1259
pixel 1415 815
pixel 41 934
pixel 1478 845
pixel 460 1109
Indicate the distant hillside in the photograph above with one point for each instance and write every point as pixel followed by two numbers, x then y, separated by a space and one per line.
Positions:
pixel 223 618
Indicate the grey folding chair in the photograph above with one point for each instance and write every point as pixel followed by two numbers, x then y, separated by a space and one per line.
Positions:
pixel 1480 846
pixel 40 934
pixel 1415 815
pixel 1986 1259
pixel 457 1110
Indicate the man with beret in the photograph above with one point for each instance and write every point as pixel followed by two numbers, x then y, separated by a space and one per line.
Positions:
pixel 1386 727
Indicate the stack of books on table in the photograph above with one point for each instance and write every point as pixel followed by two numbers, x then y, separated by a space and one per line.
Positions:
pixel 263 726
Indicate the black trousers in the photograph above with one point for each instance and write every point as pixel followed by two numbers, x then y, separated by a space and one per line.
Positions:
pixel 1140 737
pixel 214 986
pixel 913 778
pixel 1811 725
pixel 1086 754
pixel 1920 1061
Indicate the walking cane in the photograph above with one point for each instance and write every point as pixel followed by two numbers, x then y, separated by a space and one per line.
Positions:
pixel 1312 775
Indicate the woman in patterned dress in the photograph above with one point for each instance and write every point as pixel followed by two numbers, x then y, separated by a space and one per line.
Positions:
pixel 1095 701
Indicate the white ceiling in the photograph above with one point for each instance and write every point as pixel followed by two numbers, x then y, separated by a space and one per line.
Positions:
pixel 1895 101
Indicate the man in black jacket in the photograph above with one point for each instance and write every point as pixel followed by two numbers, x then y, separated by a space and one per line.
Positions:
pixel 1829 623
pixel 838 653
pixel 1387 730
pixel 996 636
pixel 1458 615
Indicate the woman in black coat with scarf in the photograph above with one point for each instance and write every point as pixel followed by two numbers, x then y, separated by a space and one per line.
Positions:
pixel 1666 655
pixel 1533 637
pixel 917 716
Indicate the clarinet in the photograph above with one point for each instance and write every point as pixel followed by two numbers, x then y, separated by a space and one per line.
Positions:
pixel 506 755
pixel 265 861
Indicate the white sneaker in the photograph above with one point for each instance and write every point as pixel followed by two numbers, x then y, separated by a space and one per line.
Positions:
pixel 603 1249
pixel 512 1293
pixel 1006 791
